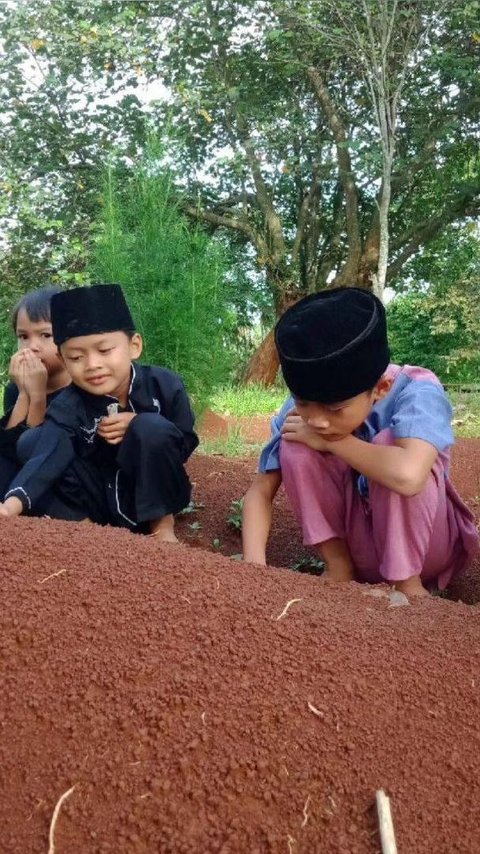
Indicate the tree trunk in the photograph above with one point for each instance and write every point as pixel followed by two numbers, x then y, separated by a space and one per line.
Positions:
pixel 263 366
pixel 380 278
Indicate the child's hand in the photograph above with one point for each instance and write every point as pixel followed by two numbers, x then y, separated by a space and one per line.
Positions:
pixel 295 429
pixel 16 370
pixel 11 507
pixel 112 428
pixel 35 375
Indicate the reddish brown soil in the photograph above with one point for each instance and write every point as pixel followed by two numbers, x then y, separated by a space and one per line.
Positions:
pixel 159 682
pixel 255 429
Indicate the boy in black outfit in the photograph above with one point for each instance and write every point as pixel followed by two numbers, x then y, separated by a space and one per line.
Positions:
pixel 113 445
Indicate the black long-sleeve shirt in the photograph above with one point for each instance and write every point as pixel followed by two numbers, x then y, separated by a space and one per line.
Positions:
pixel 72 419
pixel 9 436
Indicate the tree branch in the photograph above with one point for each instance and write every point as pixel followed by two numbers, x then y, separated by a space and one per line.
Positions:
pixel 345 174
pixel 230 222
pixel 418 234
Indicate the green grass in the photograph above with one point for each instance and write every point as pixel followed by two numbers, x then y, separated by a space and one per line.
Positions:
pixel 232 445
pixel 247 400
pixel 466 415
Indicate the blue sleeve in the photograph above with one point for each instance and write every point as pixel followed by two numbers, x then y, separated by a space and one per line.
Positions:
pixel 270 456
pixel 423 411
pixel 52 454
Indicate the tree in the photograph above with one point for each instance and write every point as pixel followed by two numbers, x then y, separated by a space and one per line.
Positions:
pixel 274 127
pixel 435 322
pixel 174 276
pixel 305 183
pixel 386 39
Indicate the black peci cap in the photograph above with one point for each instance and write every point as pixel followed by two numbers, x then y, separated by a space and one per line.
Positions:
pixel 333 345
pixel 90 311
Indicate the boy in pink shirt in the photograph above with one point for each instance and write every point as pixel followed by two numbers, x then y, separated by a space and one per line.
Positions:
pixel 362 447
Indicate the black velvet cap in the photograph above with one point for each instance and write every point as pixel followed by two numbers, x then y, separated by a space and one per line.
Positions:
pixel 333 345
pixel 90 311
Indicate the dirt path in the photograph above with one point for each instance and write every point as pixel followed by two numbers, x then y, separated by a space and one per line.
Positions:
pixel 160 683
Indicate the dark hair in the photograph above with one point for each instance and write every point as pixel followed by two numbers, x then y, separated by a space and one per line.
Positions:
pixel 36 305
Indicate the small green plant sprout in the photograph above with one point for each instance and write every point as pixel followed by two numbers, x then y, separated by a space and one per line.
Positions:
pixel 217 545
pixel 195 526
pixel 309 564
pixel 191 507
pixel 235 518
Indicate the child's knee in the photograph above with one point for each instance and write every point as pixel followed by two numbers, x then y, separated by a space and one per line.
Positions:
pixel 150 429
pixel 26 443
pixel 295 453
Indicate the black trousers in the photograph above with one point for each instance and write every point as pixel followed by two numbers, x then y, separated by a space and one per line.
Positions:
pixel 144 480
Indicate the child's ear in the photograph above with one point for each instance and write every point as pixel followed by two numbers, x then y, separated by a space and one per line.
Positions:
pixel 136 346
pixel 382 387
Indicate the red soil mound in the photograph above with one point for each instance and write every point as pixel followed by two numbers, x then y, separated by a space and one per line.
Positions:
pixel 160 683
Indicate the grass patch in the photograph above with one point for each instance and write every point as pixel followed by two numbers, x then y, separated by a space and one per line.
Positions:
pixel 248 400
pixel 232 445
pixel 466 414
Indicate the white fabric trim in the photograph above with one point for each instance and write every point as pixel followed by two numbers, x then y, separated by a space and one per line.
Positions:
pixel 134 374
pixel 19 489
pixel 130 521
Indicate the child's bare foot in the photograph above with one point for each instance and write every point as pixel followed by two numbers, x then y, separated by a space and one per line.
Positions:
pixel 164 529
pixel 411 587
pixel 339 574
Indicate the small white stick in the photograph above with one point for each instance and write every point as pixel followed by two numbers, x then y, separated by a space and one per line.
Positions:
pixel 53 575
pixel 305 812
pixel 387 833
pixel 287 606
pixel 315 711
pixel 51 842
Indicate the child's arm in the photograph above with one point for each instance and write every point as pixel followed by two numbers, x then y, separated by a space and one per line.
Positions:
pixel 257 515
pixel 183 417
pixel 403 467
pixel 52 455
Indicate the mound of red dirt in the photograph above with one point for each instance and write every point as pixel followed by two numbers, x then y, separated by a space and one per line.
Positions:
pixel 196 704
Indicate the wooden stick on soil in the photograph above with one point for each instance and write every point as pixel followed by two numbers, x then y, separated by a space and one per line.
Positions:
pixel 287 606
pixel 51 835
pixel 53 575
pixel 387 833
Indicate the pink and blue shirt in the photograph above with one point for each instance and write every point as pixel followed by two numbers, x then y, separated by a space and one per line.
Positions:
pixel 416 407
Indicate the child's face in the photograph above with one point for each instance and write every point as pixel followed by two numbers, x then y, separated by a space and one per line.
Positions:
pixel 100 364
pixel 37 337
pixel 334 421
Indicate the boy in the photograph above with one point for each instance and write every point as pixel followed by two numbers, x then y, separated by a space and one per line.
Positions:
pixel 114 443
pixel 362 449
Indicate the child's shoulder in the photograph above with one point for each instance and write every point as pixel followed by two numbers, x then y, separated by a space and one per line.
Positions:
pixel 158 374
pixel 414 373
pixel 68 401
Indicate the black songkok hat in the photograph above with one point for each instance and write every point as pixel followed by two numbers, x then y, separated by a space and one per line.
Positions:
pixel 333 345
pixel 90 311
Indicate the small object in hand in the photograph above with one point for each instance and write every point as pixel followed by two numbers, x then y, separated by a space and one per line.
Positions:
pixel 112 409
